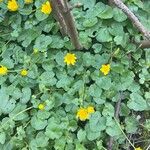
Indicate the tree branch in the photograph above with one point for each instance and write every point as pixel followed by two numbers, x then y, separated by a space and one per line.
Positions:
pixel 143 44
pixel 132 17
pixel 71 27
pixel 66 20
pixel 58 16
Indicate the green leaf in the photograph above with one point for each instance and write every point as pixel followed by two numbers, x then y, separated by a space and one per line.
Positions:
pixel 87 56
pixel 47 78
pixel 20 133
pixel 38 123
pixel 26 10
pixel 99 8
pixel 134 87
pixel 60 143
pixel 43 114
pixel 131 125
pixel 139 3
pixel 54 129
pixel 108 110
pixel 59 57
pixel 127 79
pixel 96 122
pixel 8 62
pixel 27 36
pixel 50 103
pixel 116 29
pixel 80 146
pixel 122 40
pixel 118 68
pixel 42 42
pixel 104 35
pixel 26 94
pixel 99 100
pixel 40 16
pixel 125 111
pixel 57 42
pixel 107 13
pixel 81 135
pixel 41 140
pixel 16 112
pixel 89 22
pixel 7 104
pixel 64 82
pixel 104 83
pixel 88 4
pixel 85 40
pixel 137 102
pixel 95 91
pixel 92 135
pixel 97 47
pixel 113 129
pixel 16 93
pixel 119 15
pixel 2 137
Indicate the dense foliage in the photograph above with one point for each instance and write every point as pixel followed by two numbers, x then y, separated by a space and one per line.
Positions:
pixel 48 101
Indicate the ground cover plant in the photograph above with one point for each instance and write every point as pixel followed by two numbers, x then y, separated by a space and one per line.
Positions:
pixel 78 83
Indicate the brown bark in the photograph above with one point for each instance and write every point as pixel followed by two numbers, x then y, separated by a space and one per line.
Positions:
pixel 63 15
pixel 143 44
pixel 58 16
pixel 132 17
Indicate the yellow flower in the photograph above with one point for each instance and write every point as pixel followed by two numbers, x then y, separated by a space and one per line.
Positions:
pixel 41 106
pixel 3 70
pixel 12 5
pixel 105 69
pixel 24 72
pixel 28 1
pixel 90 109
pixel 138 148
pixel 46 8
pixel 82 114
pixel 70 59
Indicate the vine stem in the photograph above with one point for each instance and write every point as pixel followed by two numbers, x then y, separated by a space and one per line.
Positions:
pixel 123 133
pixel 148 147
pixel 16 133
pixel 16 116
pixel 104 148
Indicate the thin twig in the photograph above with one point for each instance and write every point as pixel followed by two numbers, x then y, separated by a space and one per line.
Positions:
pixel 143 44
pixel 132 17
pixel 15 116
pixel 116 115
pixel 148 148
